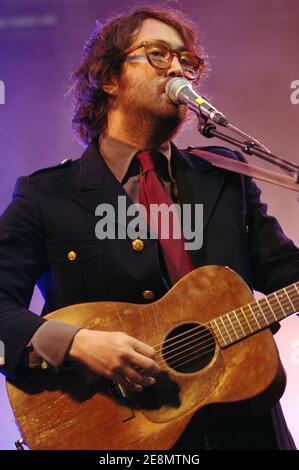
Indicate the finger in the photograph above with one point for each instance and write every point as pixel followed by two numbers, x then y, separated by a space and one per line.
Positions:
pixel 132 387
pixel 127 384
pixel 138 378
pixel 147 365
pixel 143 348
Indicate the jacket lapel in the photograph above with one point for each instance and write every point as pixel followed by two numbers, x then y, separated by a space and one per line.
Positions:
pixel 198 181
pixel 97 184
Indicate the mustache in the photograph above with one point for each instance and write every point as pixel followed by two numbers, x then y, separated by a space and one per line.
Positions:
pixel 163 84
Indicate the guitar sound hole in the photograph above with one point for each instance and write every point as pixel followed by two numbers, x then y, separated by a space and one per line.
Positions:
pixel 189 348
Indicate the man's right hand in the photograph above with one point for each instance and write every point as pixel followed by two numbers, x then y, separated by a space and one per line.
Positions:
pixel 116 356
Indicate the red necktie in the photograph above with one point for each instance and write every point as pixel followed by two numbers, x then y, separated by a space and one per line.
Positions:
pixel 153 191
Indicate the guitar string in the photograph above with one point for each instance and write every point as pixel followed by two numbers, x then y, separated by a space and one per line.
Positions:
pixel 189 352
pixel 208 335
pixel 193 358
pixel 206 325
pixel 197 356
pixel 210 340
pixel 211 343
pixel 171 364
pixel 205 348
pixel 207 343
pixel 206 351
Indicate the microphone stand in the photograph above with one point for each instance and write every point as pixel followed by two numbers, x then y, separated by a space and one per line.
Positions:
pixel 209 130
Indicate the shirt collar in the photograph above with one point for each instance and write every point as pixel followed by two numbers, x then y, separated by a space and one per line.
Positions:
pixel 118 155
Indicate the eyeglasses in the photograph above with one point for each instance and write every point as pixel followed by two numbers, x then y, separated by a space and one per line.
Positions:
pixel 160 55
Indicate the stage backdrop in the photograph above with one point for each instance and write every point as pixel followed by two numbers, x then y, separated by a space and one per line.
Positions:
pixel 253 48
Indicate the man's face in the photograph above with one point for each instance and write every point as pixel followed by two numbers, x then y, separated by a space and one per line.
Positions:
pixel 142 87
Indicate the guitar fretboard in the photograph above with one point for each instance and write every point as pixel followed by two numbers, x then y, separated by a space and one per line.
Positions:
pixel 258 315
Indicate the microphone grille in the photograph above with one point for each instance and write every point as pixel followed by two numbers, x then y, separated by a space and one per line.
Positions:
pixel 174 86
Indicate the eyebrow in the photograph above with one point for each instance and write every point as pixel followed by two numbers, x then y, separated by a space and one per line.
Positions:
pixel 180 48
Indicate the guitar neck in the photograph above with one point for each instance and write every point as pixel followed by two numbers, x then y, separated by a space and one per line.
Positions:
pixel 256 316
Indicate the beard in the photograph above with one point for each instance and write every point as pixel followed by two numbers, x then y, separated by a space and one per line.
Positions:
pixel 147 111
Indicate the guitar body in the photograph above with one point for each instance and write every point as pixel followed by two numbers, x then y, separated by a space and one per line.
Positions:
pixel 64 412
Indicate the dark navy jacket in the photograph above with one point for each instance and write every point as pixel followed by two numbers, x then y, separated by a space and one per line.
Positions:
pixel 53 213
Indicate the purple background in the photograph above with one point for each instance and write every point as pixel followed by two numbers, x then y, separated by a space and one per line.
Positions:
pixel 253 47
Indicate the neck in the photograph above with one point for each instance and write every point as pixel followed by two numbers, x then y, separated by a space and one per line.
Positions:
pixel 256 316
pixel 141 133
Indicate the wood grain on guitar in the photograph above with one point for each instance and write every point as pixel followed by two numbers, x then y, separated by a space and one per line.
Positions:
pixel 214 347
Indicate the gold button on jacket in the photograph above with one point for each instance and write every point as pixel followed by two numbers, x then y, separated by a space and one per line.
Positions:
pixel 148 294
pixel 137 244
pixel 72 255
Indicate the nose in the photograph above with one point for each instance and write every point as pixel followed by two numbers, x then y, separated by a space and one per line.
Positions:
pixel 175 69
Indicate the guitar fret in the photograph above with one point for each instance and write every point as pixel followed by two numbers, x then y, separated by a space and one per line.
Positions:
pixel 261 317
pixel 226 329
pixel 273 314
pixel 253 318
pixel 246 319
pixel 296 294
pixel 268 311
pixel 276 296
pixel 295 299
pixel 258 304
pixel 217 326
pixel 289 300
pixel 237 318
pixel 252 313
pixel 272 311
pixel 233 328
pixel 237 324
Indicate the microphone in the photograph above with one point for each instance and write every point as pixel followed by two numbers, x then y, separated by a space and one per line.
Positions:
pixel 180 91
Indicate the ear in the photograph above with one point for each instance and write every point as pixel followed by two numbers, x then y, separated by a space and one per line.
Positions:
pixel 111 88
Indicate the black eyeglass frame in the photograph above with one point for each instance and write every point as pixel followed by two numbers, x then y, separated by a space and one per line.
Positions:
pixel 172 52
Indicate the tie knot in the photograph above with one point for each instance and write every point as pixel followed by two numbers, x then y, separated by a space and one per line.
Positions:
pixel 148 160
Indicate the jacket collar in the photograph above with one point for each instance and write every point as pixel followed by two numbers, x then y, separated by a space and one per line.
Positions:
pixel 93 168
pixel 198 181
pixel 119 155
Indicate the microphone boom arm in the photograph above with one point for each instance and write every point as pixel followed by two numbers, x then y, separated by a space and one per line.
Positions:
pixel 208 129
pixel 180 91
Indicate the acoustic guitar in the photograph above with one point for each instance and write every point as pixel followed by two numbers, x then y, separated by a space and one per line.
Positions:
pixel 213 344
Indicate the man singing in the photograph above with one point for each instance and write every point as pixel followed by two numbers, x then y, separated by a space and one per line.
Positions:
pixel 47 233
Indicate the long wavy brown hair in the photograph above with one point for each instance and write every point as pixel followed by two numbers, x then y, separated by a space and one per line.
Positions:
pixel 103 58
